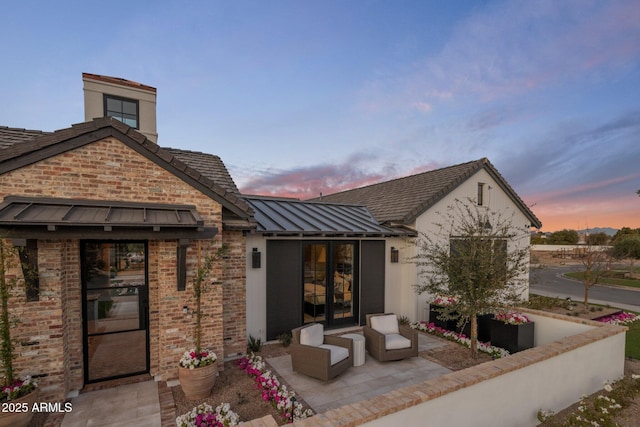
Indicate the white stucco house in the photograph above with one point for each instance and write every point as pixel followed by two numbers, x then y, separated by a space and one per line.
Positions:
pixel 335 259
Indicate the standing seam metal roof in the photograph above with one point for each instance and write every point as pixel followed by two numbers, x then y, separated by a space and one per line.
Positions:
pixel 294 217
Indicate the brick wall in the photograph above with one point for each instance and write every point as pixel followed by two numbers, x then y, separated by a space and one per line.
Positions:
pixel 234 294
pixel 109 170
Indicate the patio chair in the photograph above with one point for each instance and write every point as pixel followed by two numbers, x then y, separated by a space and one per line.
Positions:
pixel 317 355
pixel 387 340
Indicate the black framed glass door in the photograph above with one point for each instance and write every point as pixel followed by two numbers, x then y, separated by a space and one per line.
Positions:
pixel 115 309
pixel 330 283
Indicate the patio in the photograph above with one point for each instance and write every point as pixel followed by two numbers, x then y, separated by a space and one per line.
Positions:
pixel 360 382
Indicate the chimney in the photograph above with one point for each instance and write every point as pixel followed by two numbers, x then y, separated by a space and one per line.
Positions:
pixel 130 102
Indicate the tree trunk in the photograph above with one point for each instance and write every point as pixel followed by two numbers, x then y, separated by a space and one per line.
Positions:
pixel 587 285
pixel 474 336
pixel 5 329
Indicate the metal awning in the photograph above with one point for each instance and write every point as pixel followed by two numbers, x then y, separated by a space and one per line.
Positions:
pixel 290 217
pixel 49 218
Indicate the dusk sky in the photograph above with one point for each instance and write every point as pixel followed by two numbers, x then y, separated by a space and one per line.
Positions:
pixel 303 97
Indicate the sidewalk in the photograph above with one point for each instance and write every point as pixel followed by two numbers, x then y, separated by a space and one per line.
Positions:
pixel 146 403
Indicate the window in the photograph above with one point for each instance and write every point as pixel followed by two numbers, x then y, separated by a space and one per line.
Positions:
pixel 484 259
pixel 480 194
pixel 123 109
pixel 29 264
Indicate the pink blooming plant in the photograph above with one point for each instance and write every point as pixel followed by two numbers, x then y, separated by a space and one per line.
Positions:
pixel 19 388
pixel 192 359
pixel 204 415
pixel 622 318
pixel 512 318
pixel 444 301
pixel 272 391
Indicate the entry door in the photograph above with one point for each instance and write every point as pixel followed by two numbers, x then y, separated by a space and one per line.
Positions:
pixel 329 283
pixel 115 309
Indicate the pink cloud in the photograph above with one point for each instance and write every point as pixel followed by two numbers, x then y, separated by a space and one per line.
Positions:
pixel 588 211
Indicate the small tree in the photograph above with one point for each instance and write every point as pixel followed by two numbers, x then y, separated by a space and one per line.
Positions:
pixel 627 247
pixel 200 286
pixel 597 262
pixel 479 258
pixel 12 387
pixel 564 237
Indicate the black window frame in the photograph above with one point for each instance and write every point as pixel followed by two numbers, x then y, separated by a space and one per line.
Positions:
pixel 106 97
pixel 481 194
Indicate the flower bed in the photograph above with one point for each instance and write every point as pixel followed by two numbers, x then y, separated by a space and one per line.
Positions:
pixel 620 318
pixel 272 391
pixel 204 415
pixel 600 410
pixel 430 328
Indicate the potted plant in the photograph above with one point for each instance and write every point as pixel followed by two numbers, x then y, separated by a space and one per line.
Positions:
pixel 198 366
pixel 512 331
pixel 16 394
pixel 440 314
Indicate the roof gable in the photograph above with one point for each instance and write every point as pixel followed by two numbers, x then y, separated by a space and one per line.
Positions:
pixel 402 200
pixel 30 151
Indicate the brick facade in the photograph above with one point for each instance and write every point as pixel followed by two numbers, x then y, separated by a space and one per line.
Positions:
pixel 52 327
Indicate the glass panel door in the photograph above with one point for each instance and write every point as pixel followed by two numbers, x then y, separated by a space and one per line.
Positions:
pixel 343 291
pixel 329 285
pixel 315 282
pixel 115 309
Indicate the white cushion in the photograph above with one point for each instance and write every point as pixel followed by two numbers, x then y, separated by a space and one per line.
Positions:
pixel 395 342
pixel 312 335
pixel 387 324
pixel 337 353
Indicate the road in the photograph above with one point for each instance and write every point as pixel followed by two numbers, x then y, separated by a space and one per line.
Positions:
pixel 548 281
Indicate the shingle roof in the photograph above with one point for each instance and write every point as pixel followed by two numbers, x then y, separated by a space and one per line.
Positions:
pixel 10 136
pixel 208 165
pixel 291 217
pixel 402 200
pixel 16 155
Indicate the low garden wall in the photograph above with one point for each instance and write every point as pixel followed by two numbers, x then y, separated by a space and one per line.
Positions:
pixel 571 357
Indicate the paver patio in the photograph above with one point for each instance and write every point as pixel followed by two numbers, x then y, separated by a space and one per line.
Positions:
pixel 360 382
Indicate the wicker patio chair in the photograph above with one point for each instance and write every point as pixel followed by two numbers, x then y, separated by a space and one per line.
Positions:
pixel 311 354
pixel 387 340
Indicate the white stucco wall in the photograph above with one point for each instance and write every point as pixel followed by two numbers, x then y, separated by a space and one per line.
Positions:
pixel 514 398
pixel 400 295
pixel 257 289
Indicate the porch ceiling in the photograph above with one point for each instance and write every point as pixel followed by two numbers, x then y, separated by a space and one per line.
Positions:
pixel 36 217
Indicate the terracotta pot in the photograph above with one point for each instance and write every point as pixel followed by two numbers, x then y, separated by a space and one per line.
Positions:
pixel 197 383
pixel 21 417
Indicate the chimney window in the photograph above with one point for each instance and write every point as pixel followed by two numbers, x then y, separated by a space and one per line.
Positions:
pixel 123 109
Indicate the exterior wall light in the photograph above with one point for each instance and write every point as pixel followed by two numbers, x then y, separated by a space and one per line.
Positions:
pixel 255 258
pixel 395 254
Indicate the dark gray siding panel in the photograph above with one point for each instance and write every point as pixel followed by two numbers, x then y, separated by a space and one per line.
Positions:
pixel 284 291
pixel 372 278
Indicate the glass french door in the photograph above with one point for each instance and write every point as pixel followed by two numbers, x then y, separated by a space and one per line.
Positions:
pixel 115 309
pixel 329 283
